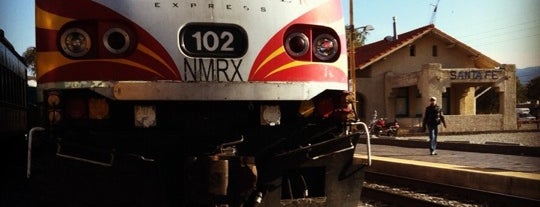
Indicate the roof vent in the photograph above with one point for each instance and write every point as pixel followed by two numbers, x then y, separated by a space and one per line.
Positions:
pixel 394 24
pixel 389 38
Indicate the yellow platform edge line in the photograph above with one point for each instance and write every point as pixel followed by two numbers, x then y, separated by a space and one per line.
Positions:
pixel 524 175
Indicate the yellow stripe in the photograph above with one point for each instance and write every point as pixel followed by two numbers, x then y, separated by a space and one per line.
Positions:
pixel 131 63
pixel 151 53
pixel 533 176
pixel 287 66
pixel 277 52
pixel 47 20
pixel 49 61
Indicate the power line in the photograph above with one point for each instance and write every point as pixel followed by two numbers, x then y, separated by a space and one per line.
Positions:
pixel 495 36
pixel 504 29
pixel 503 41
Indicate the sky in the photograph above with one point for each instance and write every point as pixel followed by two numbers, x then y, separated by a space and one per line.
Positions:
pixel 507 31
pixel 17 20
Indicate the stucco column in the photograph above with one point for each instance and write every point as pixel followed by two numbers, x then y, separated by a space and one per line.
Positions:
pixel 507 97
pixel 430 81
pixel 464 99
pixel 390 97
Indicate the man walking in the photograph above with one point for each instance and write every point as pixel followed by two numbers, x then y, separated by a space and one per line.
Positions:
pixel 433 116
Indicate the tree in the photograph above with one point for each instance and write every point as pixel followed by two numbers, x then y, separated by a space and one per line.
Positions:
pixel 533 89
pixel 359 37
pixel 30 59
pixel 521 92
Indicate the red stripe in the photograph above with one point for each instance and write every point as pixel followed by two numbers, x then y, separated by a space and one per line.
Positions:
pixel 276 62
pixel 88 10
pixel 157 66
pixel 77 9
pixel 326 13
pixel 46 40
pixel 272 45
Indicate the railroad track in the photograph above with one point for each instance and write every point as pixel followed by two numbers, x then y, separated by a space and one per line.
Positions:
pixel 395 199
pixel 482 198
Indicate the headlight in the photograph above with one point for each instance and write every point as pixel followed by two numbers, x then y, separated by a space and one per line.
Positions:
pixel 296 44
pixel 271 115
pixel 325 47
pixel 76 107
pixel 53 107
pixel 53 99
pixel 145 116
pixel 75 42
pixel 55 116
pixel 116 40
pixel 98 108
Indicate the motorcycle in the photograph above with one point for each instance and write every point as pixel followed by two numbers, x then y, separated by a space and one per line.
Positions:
pixel 381 126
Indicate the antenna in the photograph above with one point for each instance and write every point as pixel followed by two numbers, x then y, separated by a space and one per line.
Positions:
pixel 432 21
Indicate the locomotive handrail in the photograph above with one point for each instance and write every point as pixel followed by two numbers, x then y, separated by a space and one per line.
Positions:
pixel 109 164
pixel 232 142
pixel 331 153
pixel 309 146
pixel 368 140
pixel 29 152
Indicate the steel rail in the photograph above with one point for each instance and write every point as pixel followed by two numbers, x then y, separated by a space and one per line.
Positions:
pixel 486 198
pixel 394 199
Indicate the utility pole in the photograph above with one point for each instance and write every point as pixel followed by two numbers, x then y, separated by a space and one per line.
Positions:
pixel 352 57
pixel 352 66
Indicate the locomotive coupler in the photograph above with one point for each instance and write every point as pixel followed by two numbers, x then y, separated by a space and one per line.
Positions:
pixel 223 178
pixel 229 148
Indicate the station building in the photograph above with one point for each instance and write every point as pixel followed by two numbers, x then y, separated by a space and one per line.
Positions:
pixel 397 75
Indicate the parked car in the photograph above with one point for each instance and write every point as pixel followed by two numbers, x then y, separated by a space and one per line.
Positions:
pixel 525 117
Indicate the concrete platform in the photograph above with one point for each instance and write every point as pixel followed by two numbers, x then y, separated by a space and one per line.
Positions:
pixel 508 174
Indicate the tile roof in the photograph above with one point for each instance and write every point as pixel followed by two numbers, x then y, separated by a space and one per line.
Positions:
pixel 371 53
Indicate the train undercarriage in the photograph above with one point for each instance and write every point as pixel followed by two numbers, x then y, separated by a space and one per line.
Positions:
pixel 194 153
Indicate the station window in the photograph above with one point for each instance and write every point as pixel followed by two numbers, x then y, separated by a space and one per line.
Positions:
pixel 434 51
pixel 488 102
pixel 412 50
pixel 420 105
pixel 402 102
pixel 446 101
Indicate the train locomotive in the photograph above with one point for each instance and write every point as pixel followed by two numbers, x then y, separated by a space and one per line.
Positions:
pixel 216 103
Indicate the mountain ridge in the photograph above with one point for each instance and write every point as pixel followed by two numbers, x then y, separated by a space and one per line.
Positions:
pixel 526 74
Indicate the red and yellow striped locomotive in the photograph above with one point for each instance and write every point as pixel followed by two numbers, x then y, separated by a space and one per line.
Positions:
pixel 234 102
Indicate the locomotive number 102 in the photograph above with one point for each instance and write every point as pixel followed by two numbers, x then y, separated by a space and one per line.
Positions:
pixel 213 40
